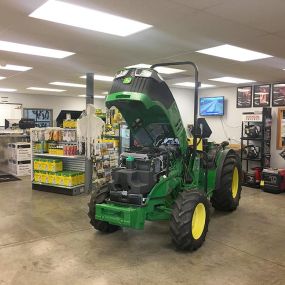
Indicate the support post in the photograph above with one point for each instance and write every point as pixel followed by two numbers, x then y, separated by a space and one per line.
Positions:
pixel 88 162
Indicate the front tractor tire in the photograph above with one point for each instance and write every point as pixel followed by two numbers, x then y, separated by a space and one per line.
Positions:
pixel 98 198
pixel 227 194
pixel 189 220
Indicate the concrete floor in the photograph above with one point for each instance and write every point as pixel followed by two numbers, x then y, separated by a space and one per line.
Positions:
pixel 46 239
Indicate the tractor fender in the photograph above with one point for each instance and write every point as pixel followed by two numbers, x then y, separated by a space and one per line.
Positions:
pixel 220 162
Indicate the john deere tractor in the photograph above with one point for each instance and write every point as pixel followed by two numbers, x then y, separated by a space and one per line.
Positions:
pixel 164 175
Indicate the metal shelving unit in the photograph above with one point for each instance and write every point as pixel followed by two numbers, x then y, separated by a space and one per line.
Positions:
pixel 263 140
pixel 70 162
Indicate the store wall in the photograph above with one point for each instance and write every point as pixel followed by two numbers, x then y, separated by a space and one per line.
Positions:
pixel 57 103
pixel 228 126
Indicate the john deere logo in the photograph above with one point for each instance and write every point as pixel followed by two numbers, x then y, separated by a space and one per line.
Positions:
pixel 127 80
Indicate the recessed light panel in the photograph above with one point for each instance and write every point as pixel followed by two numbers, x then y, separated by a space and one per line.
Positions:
pixel 159 69
pixel 7 90
pixel 45 89
pixel 101 77
pixel 235 80
pixel 33 50
pixel 68 84
pixel 95 96
pixel 2 77
pixel 81 17
pixel 15 67
pixel 234 53
pixel 192 85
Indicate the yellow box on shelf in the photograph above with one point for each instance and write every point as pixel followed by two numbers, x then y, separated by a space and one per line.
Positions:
pixel 54 165
pixel 59 179
pixel 70 124
pixel 51 178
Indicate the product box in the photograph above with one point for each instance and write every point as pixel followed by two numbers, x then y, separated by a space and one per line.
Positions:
pixel 69 178
pixel 20 168
pixel 273 180
pixel 54 165
pixel 37 176
pixel 44 177
pixel 51 178
pixel 69 124
pixel 20 151
pixel 44 164
pixel 59 179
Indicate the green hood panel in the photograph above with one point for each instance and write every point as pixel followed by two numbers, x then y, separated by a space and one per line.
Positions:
pixel 140 112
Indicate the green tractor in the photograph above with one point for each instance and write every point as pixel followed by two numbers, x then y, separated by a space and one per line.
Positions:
pixel 164 176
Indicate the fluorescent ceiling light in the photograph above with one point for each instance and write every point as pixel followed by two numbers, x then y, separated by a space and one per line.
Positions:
pixel 2 77
pixel 33 50
pixel 159 69
pixel 15 67
pixel 229 79
pixel 45 89
pixel 78 16
pixel 68 84
pixel 7 90
pixel 101 77
pixel 95 96
pixel 192 84
pixel 234 53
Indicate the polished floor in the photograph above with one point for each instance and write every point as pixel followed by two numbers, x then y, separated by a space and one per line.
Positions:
pixel 46 239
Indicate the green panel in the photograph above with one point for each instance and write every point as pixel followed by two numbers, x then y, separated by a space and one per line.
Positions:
pixel 151 112
pixel 124 216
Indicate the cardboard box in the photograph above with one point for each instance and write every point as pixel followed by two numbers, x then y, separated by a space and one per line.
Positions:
pixel 20 151
pixel 20 168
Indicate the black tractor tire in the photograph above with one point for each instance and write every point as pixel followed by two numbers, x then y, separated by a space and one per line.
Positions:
pixel 227 195
pixel 184 220
pixel 98 197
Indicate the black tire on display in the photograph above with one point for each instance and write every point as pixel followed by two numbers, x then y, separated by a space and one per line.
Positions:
pixel 189 220
pixel 98 198
pixel 227 195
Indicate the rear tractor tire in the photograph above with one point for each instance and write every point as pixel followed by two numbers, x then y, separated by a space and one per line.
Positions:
pixel 98 198
pixel 227 195
pixel 189 220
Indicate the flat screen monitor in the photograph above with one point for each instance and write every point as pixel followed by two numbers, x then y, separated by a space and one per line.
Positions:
pixel 212 106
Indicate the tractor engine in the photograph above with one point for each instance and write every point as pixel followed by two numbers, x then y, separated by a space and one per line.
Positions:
pixel 139 171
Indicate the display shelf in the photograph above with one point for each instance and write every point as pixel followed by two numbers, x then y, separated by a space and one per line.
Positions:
pixel 60 156
pixel 257 140
pixel 71 191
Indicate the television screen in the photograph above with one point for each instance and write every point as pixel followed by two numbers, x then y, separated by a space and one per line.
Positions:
pixel 212 106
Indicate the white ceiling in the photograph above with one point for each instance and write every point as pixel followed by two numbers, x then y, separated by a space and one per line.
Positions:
pixel 180 27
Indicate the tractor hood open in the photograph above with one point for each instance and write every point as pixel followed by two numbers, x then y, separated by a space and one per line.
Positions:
pixel 147 105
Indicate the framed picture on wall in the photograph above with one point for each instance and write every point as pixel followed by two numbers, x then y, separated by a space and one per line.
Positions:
pixel 244 97
pixel 278 94
pixel 261 95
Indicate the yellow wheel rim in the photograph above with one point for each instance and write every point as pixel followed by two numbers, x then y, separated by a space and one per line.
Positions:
pixel 198 221
pixel 235 182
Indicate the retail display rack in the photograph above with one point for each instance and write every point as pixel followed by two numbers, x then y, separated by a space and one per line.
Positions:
pixel 255 145
pixel 56 166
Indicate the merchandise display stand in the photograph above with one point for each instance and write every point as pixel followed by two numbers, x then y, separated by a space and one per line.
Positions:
pixel 56 167
pixel 255 145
